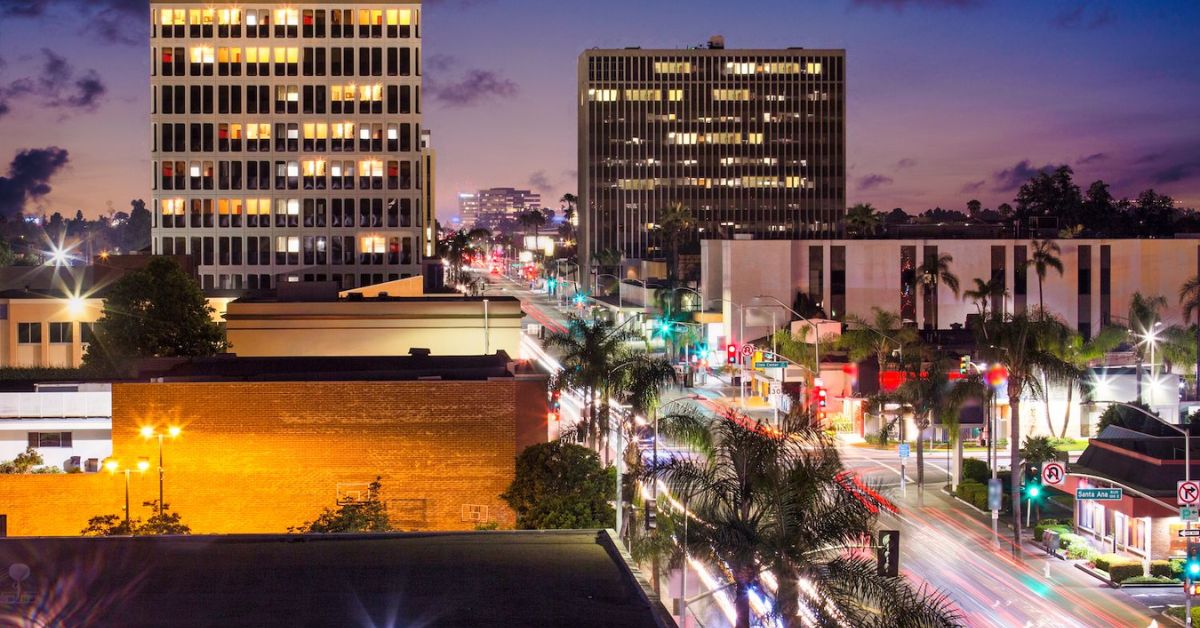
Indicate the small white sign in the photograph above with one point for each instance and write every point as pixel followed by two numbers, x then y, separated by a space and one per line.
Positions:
pixel 1054 473
pixel 776 388
pixel 747 350
pixel 1187 492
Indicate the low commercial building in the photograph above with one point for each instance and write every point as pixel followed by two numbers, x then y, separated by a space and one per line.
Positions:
pixel 267 443
pixel 69 424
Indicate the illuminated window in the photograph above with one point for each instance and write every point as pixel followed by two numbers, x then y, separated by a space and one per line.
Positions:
pixel 258 207
pixel 603 95
pixel 258 131
pixel 343 92
pixel 174 17
pixel 672 67
pixel 203 54
pixel 228 17
pixel 369 93
pixel 643 95
pixel 754 138
pixel 343 130
pixel 313 167
pixel 370 168
pixel 675 95
pixel 316 131
pixel 781 68
pixel 681 138
pixel 173 207
pixel 637 184
pixel 401 17
pixel 370 17
pixel 813 67
pixel 287 244
pixel 287 17
pixel 731 94
pixel 287 55
pixel 741 68
pixel 372 244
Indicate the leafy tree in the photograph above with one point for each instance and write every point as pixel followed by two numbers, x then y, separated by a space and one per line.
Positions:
pixel 158 311
pixel 1050 194
pixel 676 225
pixel 1079 352
pixel 561 486
pixel 1122 416
pixel 881 337
pixel 7 257
pixel 161 522
pixel 985 292
pixel 1147 331
pixel 24 462
pixel 1189 298
pixel 1038 450
pixel 368 515
pixel 135 230
pixel 1044 257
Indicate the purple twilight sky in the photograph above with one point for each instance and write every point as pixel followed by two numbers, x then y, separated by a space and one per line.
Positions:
pixel 948 99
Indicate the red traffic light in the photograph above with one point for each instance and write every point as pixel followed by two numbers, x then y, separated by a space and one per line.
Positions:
pixel 731 352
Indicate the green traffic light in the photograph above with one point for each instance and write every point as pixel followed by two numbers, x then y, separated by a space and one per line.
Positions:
pixel 1034 491
pixel 1194 568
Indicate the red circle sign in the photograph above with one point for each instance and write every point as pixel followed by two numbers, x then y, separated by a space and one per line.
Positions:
pixel 1188 492
pixel 747 350
pixel 1053 473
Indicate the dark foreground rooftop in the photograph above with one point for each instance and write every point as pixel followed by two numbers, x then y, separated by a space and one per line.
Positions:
pixel 340 368
pixel 560 578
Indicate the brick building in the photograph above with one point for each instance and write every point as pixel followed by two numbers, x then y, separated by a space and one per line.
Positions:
pixel 267 443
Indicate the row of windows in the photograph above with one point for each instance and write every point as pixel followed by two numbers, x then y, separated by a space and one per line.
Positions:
pixel 49 439
pixel 365 250
pixel 677 95
pixel 774 68
pixel 289 137
pixel 286 61
pixel 288 22
pixel 59 333
pixel 238 281
pixel 310 174
pixel 749 181
pixel 311 99
pixel 288 212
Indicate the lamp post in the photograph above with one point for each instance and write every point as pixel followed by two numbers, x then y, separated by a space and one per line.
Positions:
pixel 620 306
pixel 149 432
pixel 620 458
pixel 816 330
pixel 1151 338
pixel 113 466
pixel 741 339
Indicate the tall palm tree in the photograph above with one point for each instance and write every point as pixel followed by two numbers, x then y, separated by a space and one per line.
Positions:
pixel 1189 298
pixel 1043 257
pixel 781 501
pixel 1022 344
pixel 533 220
pixel 676 224
pixel 862 220
pixel 590 348
pixel 962 390
pixel 928 396
pixel 880 337
pixel 1145 316
pixel 933 271
pixel 607 259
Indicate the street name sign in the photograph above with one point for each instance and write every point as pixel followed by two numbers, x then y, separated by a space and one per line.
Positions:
pixel 1054 473
pixel 770 365
pixel 1100 494
pixel 1187 492
pixel 904 450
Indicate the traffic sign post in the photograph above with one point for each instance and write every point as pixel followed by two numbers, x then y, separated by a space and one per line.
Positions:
pixel 1187 492
pixel 1054 473
pixel 1187 514
pixel 1189 533
pixel 747 350
pixel 903 450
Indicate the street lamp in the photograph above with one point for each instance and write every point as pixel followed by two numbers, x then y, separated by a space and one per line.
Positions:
pixel 741 340
pixel 620 305
pixel 1150 337
pixel 113 466
pixel 149 432
pixel 816 330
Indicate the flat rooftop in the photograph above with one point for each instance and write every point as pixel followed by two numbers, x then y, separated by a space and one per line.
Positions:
pixel 521 578
pixel 346 368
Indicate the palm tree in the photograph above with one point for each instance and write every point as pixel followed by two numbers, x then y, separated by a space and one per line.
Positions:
pixel 862 220
pixel 879 337
pixel 781 501
pixel 457 244
pixel 935 270
pixel 1079 352
pixel 1189 298
pixel 1023 345
pixel 984 293
pixel 590 349
pixel 607 259
pixel 675 225
pixel 928 396
pixel 1043 257
pixel 1145 317
pixel 533 220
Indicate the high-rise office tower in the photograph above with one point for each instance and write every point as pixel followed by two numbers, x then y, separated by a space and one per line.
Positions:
pixel 752 142
pixel 468 209
pixel 287 140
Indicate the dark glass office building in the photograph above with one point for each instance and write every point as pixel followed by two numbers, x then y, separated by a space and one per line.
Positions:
pixel 753 142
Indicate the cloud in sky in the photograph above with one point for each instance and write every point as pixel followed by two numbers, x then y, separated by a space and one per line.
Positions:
pixel 1013 178
pixel 872 181
pixel 972 187
pixel 540 181
pixel 1091 159
pixel 112 21
pixel 55 86
pixel 907 162
pixel 29 176
pixel 471 88
pixel 1083 15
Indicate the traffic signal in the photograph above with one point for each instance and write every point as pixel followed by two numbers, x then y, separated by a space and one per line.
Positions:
pixel 887 554
pixel 1191 568
pixel 551 285
pixel 731 353
pixel 651 514
pixel 554 414
pixel 964 364
pixel 822 397
pixel 1033 482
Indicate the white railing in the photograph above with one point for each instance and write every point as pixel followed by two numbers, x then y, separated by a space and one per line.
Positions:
pixel 55 405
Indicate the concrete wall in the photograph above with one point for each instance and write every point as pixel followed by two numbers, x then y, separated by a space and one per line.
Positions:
pixel 337 328
pixel 263 456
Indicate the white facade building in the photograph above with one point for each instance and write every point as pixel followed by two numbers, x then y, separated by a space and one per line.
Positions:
pixel 287 140
pixel 70 425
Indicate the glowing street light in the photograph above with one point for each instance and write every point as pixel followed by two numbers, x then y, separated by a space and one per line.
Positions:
pixel 112 465
pixel 148 432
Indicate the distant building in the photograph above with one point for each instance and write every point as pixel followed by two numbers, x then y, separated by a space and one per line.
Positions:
pixel 468 209
pixel 69 424
pixel 496 209
pixel 751 141
pixel 286 141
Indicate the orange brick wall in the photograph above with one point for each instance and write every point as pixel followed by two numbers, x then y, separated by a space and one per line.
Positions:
pixel 262 456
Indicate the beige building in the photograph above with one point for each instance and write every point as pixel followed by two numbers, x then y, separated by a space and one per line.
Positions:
pixel 366 325
pixel 1098 280
pixel 45 328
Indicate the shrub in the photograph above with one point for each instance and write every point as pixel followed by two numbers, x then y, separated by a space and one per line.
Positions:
pixel 1164 569
pixel 1177 568
pixel 1120 572
pixel 976 471
pixel 1109 562
pixel 1149 580
pixel 1177 612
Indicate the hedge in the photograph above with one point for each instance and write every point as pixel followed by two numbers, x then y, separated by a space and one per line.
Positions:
pixel 1149 580
pixel 1164 569
pixel 976 471
pixel 1058 525
pixel 1120 572
pixel 1177 612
